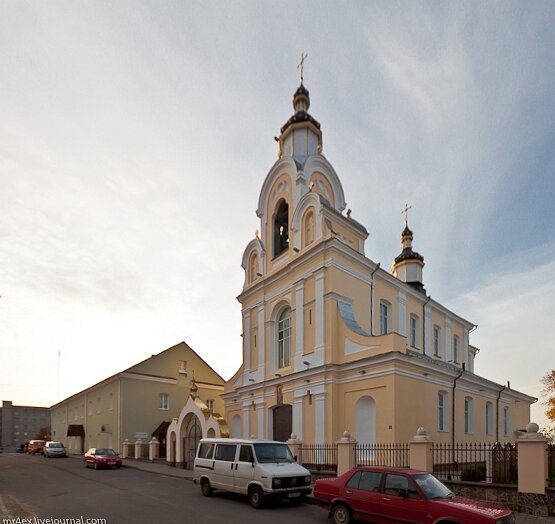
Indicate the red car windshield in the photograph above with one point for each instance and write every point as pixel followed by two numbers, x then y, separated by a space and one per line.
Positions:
pixel 432 488
pixel 105 452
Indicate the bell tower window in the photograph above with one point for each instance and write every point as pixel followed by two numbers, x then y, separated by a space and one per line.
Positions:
pixel 281 228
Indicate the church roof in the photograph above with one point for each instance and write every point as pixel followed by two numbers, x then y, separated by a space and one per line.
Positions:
pixel 301 110
pixel 409 254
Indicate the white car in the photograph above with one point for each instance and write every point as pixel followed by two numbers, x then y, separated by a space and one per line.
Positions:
pixel 260 469
pixel 54 449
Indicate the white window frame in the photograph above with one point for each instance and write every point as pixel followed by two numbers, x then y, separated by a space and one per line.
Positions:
pixel 489 418
pixel 210 404
pixel 443 421
pixel 385 317
pixel 437 341
pixel 164 401
pixel 413 330
pixel 468 415
pixel 284 339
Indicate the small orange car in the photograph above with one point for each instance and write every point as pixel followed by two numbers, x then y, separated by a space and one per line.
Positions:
pixel 35 446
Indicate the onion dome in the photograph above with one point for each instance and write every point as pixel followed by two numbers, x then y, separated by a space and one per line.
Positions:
pixel 408 265
pixel 301 103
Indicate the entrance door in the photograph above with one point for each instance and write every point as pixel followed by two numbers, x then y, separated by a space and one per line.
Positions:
pixel 283 422
pixel 191 440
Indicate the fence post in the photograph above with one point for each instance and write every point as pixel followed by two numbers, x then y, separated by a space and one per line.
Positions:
pixel 153 449
pixel 138 449
pixel 532 461
pixel 420 451
pixel 295 446
pixel 346 459
pixel 125 449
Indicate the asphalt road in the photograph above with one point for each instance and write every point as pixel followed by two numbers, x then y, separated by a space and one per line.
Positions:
pixel 63 488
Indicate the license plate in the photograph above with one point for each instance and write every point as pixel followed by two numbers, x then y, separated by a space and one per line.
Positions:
pixel 111 463
pixel 293 495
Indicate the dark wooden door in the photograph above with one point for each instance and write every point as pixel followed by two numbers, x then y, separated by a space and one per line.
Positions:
pixel 283 422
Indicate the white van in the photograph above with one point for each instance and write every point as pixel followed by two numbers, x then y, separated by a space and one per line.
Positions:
pixel 258 468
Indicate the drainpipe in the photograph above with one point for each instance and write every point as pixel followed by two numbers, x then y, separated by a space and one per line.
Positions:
pixel 497 413
pixel 372 299
pixel 453 411
pixel 424 325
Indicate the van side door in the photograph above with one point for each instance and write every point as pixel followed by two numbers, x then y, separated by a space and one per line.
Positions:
pixel 244 469
pixel 224 464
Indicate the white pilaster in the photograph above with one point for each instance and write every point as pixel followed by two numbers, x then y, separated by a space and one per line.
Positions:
pixel 320 324
pixel 466 353
pixel 246 418
pixel 320 418
pixel 402 307
pixel 298 413
pixel 448 350
pixel 246 344
pixel 427 330
pixel 260 415
pixel 261 353
pixel 299 325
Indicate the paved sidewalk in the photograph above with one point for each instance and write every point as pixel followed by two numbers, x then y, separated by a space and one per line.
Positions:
pixel 162 469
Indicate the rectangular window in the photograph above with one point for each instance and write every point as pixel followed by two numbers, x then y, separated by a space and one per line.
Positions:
pixel 414 331
pixel 206 451
pixel 442 411
pixel 164 401
pixel 284 340
pixel 210 404
pixel 437 339
pixel 182 367
pixel 489 418
pixel 506 421
pixel 456 349
pixel 225 452
pixel 468 415
pixel 385 318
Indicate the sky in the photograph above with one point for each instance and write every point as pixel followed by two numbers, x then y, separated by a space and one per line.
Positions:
pixel 135 137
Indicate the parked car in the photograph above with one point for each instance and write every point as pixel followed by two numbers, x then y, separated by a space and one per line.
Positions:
pixel 35 446
pixel 260 469
pixel 54 449
pixel 382 495
pixel 102 458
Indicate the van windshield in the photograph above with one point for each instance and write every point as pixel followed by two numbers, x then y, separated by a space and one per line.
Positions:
pixel 271 452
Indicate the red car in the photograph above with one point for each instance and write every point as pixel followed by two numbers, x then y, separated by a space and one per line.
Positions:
pixel 102 458
pixel 381 495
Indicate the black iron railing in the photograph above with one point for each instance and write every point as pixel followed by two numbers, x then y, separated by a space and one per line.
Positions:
pixel 391 455
pixel 318 457
pixel 476 462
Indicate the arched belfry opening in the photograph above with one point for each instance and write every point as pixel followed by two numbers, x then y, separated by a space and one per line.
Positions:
pixel 281 228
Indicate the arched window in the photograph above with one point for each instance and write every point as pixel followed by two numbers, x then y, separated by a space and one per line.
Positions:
pixel 253 268
pixel 308 228
pixel 281 228
pixel 284 339
pixel 489 418
pixel 468 415
pixel 442 411
pixel 365 413
pixel 236 426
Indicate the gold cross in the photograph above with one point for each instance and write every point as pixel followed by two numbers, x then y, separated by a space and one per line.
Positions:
pixel 301 65
pixel 406 211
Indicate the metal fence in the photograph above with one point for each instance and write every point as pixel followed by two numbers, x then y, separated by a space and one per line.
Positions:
pixel 477 462
pixel 551 464
pixel 391 455
pixel 319 457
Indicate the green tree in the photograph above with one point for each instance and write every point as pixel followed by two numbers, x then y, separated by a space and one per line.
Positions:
pixel 548 381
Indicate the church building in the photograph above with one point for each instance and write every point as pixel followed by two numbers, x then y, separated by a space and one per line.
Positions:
pixel 332 341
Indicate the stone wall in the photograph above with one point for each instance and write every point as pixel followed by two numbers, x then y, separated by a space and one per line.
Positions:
pixel 507 495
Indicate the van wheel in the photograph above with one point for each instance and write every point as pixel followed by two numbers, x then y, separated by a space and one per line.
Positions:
pixel 206 488
pixel 256 497
pixel 341 514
